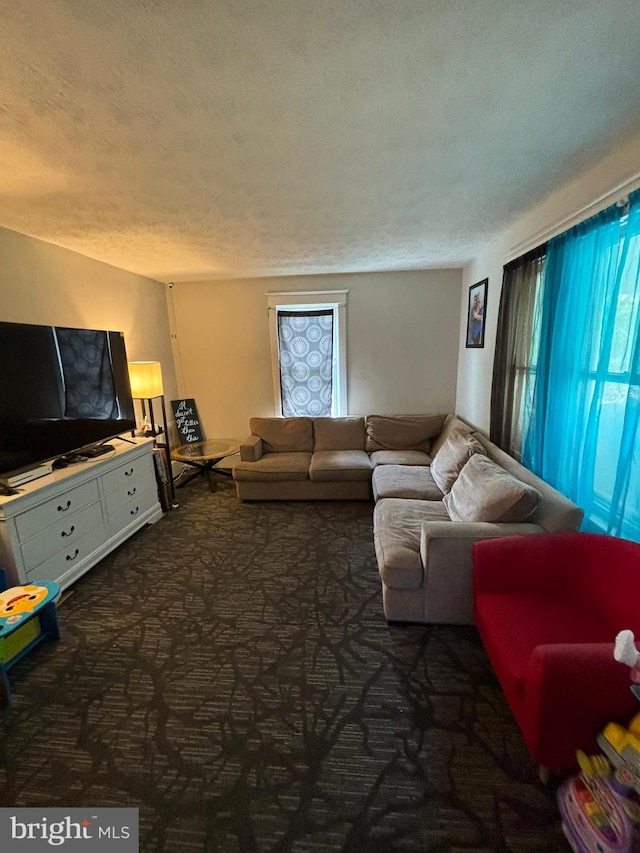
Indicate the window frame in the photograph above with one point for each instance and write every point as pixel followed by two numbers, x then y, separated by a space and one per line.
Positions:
pixel 312 300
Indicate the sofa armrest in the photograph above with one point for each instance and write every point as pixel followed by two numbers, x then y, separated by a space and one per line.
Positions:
pixel 443 542
pixel 572 691
pixel 251 449
pixel 446 551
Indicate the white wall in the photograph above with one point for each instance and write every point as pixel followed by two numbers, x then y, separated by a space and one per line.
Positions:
pixel 402 333
pixel 556 213
pixel 45 284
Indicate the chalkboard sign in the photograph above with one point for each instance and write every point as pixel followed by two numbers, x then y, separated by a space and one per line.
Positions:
pixel 187 421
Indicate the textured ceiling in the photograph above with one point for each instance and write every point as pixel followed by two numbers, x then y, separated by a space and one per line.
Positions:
pixel 187 139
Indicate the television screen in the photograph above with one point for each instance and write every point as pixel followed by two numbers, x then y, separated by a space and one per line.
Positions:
pixel 61 390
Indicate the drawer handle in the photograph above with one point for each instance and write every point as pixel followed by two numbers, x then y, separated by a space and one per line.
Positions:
pixel 128 473
pixel 64 508
pixel 131 492
pixel 134 511
pixel 69 531
pixel 72 556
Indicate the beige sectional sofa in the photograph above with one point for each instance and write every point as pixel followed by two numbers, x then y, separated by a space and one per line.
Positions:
pixel 426 521
pixel 328 458
pixel 439 486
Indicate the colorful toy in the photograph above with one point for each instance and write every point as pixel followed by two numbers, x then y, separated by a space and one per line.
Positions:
pixel 19 600
pixel 593 818
pixel 600 807
pixel 28 615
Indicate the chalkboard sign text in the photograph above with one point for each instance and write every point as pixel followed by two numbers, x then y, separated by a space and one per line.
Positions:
pixel 187 421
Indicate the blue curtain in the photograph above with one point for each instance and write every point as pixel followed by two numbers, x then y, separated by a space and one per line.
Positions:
pixel 583 407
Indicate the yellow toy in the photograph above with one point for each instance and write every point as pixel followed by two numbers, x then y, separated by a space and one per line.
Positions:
pixel 28 615
pixel 21 599
pixel 621 738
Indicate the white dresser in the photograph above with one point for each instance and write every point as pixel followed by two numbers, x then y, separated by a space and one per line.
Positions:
pixel 61 525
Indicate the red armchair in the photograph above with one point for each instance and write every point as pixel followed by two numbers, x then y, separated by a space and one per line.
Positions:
pixel 548 608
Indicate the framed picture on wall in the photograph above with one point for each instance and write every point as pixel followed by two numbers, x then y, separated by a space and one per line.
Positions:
pixel 476 314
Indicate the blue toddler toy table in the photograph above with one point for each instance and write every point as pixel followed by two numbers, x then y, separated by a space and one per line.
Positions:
pixel 28 615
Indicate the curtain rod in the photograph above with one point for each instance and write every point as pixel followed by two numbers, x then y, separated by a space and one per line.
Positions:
pixel 601 202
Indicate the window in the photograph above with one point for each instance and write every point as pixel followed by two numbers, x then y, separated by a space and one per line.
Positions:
pixel 583 429
pixel 308 352
pixel 566 391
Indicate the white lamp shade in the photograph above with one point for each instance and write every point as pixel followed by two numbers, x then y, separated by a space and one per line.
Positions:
pixel 145 378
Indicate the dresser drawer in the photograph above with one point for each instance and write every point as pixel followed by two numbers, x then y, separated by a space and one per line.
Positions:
pixel 123 513
pixel 61 535
pixel 66 560
pixel 59 526
pixel 137 475
pixel 67 503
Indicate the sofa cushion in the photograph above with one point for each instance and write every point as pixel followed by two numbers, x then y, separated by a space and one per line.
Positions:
pixel 274 467
pixel 555 512
pixel 452 457
pixel 284 435
pixel 332 465
pixel 402 432
pixel 486 492
pixel 405 481
pixel 400 457
pixel 397 528
pixel 451 424
pixel 512 625
pixel 338 434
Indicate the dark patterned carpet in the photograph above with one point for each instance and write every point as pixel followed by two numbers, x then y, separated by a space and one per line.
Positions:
pixel 229 672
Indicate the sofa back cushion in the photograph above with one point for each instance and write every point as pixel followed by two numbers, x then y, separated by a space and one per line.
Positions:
pixel 450 424
pixel 402 432
pixel 458 448
pixel 283 435
pixel 486 492
pixel 555 512
pixel 338 434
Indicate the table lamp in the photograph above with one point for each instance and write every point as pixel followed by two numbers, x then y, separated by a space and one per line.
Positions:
pixel 145 378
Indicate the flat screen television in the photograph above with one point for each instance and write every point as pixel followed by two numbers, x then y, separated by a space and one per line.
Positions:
pixel 61 390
